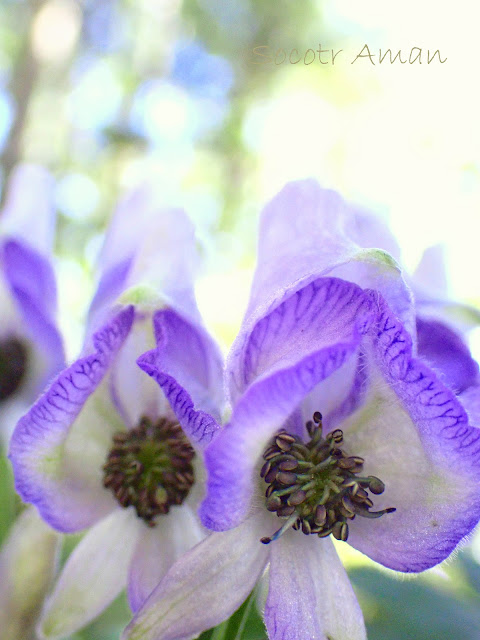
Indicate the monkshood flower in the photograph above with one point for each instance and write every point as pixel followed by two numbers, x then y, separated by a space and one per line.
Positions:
pixel 31 349
pixel 102 448
pixel 338 428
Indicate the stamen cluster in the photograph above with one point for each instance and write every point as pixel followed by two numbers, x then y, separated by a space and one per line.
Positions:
pixel 315 485
pixel 13 366
pixel 150 468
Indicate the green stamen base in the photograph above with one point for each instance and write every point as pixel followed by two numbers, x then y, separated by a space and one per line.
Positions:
pixel 150 468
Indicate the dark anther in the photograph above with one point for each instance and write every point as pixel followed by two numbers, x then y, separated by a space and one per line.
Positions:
pixel 315 485
pixel 13 366
pixel 150 468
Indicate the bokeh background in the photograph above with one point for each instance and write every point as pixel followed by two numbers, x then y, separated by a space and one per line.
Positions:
pixel 109 94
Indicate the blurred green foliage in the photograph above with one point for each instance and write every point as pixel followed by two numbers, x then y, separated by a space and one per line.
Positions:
pixel 413 609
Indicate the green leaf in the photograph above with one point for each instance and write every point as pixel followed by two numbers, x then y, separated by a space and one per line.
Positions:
pixel 412 609
pixel 245 624
pixel 110 624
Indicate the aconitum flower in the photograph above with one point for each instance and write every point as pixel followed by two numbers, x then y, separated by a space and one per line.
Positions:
pixel 102 447
pixel 31 349
pixel 338 428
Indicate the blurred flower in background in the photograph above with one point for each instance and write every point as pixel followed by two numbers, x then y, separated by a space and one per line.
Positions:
pixel 31 347
pixel 31 352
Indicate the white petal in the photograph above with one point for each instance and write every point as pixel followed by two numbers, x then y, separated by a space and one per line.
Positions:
pixel 310 596
pixel 90 439
pixel 158 548
pixel 29 211
pixel 341 613
pixel 155 249
pixel 27 566
pixel 204 587
pixel 413 434
pixel 137 395
pixel 93 576
pixel 430 275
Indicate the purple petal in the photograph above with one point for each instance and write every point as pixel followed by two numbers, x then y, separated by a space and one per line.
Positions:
pixel 413 434
pixel 31 273
pixel 187 365
pixel 37 447
pixel 317 315
pixel 370 232
pixel 310 596
pixel 203 588
pixel 430 276
pixel 292 611
pixel 470 400
pixel 305 233
pixel 31 281
pixel 429 282
pixel 300 344
pixel 150 247
pixel 158 548
pixel 293 229
pixel 111 285
pixel 444 350
pixel 348 404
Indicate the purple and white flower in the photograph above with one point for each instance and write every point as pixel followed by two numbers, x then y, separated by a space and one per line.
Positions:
pixel 102 449
pixel 31 348
pixel 330 328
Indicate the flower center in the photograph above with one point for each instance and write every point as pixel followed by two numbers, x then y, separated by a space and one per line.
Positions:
pixel 150 468
pixel 13 366
pixel 315 485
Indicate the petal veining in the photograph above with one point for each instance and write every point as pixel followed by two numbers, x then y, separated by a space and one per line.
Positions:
pixel 204 587
pixel 306 232
pixel 187 366
pixel 158 548
pixel 300 365
pixel 93 576
pixel 38 445
pixel 310 596
pixel 413 434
